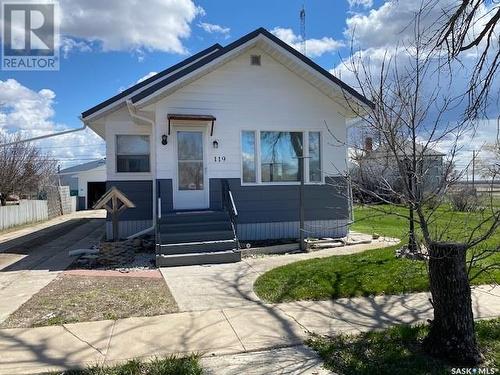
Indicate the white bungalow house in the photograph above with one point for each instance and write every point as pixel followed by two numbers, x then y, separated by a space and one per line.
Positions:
pixel 207 149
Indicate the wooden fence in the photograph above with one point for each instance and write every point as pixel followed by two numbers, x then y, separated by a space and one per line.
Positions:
pixel 27 211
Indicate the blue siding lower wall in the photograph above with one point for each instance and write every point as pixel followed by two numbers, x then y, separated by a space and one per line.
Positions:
pixel 165 192
pixel 133 220
pixel 280 203
pixel 272 212
pixel 265 211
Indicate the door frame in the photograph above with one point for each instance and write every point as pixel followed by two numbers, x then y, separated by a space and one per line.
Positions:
pixel 206 180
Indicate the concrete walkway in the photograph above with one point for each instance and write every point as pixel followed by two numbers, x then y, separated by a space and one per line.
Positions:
pixel 197 288
pixel 224 332
pixel 25 269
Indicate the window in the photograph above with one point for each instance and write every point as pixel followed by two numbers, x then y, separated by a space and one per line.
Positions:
pixel 248 156
pixel 132 153
pixel 314 156
pixel 279 151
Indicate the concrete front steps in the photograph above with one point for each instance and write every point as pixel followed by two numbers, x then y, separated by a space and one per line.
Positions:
pixel 194 238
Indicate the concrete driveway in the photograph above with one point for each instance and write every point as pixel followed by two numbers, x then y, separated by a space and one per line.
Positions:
pixel 31 259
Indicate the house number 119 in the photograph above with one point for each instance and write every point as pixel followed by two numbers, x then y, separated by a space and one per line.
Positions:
pixel 219 159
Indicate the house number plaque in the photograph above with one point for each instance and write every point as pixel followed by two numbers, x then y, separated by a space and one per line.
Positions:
pixel 219 159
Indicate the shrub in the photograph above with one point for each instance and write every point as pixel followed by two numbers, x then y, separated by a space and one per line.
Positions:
pixel 464 199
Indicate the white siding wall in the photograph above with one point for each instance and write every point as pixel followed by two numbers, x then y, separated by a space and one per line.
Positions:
pixel 120 122
pixel 241 97
pixel 245 97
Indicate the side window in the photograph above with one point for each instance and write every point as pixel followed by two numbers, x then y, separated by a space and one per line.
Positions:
pixel 132 153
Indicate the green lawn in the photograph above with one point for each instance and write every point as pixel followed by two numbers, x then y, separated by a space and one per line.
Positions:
pixel 369 273
pixel 160 366
pixel 397 350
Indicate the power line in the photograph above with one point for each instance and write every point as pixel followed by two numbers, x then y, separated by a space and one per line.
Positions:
pixel 73 146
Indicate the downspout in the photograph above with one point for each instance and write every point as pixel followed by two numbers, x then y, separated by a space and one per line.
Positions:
pixel 132 111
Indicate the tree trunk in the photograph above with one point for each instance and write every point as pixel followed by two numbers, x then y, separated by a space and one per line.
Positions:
pixel 452 335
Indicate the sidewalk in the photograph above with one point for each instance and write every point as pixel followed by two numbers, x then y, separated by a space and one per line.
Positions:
pixel 216 286
pixel 254 327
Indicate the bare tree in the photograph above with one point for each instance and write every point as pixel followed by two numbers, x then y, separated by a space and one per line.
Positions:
pixel 409 117
pixel 472 26
pixel 24 169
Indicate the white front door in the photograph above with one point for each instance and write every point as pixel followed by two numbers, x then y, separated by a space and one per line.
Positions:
pixel 191 187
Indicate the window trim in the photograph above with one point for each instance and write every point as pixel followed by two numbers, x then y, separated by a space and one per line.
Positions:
pixel 305 139
pixel 143 173
pixel 256 157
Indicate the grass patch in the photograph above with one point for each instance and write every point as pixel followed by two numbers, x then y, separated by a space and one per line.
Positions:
pixel 71 299
pixel 372 272
pixel 368 273
pixel 397 350
pixel 171 365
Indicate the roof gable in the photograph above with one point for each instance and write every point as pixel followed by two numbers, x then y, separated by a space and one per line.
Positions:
pixel 212 58
pixel 141 85
pixel 219 53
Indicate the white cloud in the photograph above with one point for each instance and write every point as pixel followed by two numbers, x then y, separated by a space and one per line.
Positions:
pixel 30 113
pixel 149 75
pixel 130 26
pixel 143 78
pixel 71 45
pixel 213 28
pixel 360 3
pixel 314 47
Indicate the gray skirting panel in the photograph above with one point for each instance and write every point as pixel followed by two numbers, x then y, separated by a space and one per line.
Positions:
pixel 290 229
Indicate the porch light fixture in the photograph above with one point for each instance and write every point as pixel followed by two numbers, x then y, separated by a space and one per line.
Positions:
pixel 164 139
pixel 215 144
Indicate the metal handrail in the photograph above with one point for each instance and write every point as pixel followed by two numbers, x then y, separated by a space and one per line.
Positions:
pixel 228 204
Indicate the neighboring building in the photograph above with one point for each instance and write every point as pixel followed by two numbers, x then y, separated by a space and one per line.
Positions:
pixel 376 166
pixel 232 119
pixel 87 181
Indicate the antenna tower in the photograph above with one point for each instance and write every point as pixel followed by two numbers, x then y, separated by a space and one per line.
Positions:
pixel 302 15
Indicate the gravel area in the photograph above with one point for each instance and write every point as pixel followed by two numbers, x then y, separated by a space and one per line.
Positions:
pixel 70 299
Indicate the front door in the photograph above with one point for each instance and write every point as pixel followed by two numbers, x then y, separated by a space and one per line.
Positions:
pixel 191 183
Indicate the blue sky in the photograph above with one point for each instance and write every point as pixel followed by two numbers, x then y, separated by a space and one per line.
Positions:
pixel 86 78
pixel 109 45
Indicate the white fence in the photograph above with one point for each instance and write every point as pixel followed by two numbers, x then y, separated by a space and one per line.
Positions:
pixel 27 211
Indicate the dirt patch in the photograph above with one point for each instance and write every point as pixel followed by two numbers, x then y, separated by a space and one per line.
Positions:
pixel 71 299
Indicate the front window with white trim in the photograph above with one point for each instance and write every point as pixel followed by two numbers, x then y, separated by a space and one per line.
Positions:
pixel 273 156
pixel 132 153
